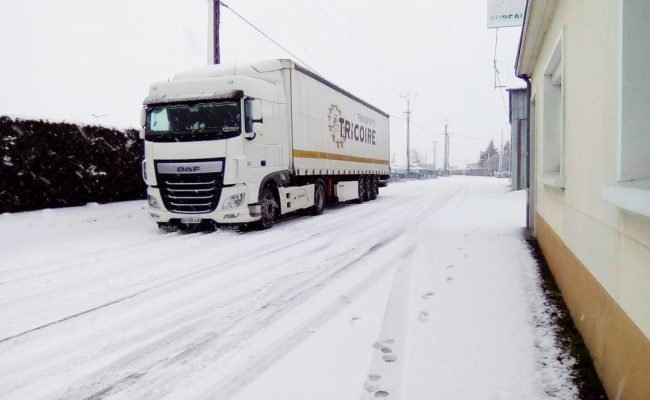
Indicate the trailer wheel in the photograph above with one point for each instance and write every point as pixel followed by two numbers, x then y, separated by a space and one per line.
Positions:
pixel 362 189
pixel 319 198
pixel 269 209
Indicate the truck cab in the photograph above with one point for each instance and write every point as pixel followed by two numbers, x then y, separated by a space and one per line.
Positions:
pixel 212 135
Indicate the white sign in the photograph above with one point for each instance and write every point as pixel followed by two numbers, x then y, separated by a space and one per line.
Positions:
pixel 502 13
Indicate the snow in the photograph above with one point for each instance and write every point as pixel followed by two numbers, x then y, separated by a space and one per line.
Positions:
pixel 427 292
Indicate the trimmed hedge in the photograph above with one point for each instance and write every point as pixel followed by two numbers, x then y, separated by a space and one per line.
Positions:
pixel 47 164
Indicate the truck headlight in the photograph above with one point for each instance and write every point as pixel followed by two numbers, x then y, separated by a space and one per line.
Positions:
pixel 153 202
pixel 234 201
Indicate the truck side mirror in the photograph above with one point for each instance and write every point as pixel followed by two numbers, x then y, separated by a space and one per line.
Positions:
pixel 143 121
pixel 257 111
pixel 253 117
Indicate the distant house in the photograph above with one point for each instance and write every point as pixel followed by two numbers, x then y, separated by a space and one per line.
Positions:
pixel 588 67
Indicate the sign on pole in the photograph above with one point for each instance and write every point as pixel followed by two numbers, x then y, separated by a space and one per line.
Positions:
pixel 503 13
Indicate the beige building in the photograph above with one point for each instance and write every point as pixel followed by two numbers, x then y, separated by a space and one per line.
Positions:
pixel 588 66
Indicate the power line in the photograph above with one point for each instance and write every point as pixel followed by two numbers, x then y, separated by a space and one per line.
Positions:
pixel 364 71
pixel 348 40
pixel 265 35
pixel 425 130
pixel 309 66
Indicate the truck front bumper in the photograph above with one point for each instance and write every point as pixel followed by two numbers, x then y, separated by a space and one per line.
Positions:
pixel 241 214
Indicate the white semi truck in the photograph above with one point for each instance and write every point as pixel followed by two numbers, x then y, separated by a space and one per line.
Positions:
pixel 243 144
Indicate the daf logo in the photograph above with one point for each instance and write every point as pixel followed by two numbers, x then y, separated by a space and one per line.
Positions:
pixel 188 169
pixel 203 167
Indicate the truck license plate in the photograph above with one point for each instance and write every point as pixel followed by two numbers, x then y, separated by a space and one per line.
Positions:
pixel 191 220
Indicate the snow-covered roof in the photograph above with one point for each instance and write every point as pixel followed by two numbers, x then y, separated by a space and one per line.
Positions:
pixel 210 87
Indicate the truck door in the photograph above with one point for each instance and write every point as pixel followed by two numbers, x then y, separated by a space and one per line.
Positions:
pixel 254 147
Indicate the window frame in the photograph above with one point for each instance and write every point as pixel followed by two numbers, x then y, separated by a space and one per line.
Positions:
pixel 554 76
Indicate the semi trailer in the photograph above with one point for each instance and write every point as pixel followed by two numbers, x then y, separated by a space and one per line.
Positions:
pixel 244 144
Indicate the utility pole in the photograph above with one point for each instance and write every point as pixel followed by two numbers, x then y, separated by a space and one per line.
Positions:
pixel 435 152
pixel 408 96
pixel 501 154
pixel 446 165
pixel 214 20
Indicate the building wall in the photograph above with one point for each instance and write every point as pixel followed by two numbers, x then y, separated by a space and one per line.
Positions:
pixel 599 254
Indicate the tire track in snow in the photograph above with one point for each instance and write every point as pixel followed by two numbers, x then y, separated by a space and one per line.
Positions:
pixel 237 258
pixel 327 232
pixel 271 311
pixel 140 292
pixel 254 368
pixel 279 306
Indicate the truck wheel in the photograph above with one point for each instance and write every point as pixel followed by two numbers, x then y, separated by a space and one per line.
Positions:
pixel 319 198
pixel 369 190
pixel 362 189
pixel 269 209
pixel 373 191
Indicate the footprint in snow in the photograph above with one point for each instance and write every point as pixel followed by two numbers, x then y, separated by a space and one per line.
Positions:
pixel 355 318
pixel 370 387
pixel 424 315
pixel 382 343
pixel 450 279
pixel 381 394
pixel 389 358
pixel 381 346
pixel 450 266
pixel 371 383
pixel 428 295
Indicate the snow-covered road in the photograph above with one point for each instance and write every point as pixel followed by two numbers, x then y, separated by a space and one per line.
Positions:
pixel 427 292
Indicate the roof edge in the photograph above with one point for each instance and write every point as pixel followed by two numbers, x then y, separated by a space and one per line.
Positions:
pixel 537 19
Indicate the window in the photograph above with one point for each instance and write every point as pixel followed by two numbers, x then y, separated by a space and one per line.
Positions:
pixel 552 167
pixel 206 120
pixel 632 193
pixel 634 91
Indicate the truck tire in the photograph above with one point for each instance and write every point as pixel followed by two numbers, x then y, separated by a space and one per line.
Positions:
pixel 369 190
pixel 319 198
pixel 374 189
pixel 269 209
pixel 362 189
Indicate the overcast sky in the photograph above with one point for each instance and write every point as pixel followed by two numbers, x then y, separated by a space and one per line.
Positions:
pixel 69 59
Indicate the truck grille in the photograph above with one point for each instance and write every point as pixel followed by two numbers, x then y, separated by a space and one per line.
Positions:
pixel 190 193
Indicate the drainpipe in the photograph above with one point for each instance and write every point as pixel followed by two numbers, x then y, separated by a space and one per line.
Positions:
pixel 529 203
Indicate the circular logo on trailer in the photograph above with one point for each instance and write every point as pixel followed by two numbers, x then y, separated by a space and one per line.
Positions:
pixel 334 125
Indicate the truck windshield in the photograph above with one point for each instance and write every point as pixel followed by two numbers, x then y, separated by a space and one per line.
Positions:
pixel 196 121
